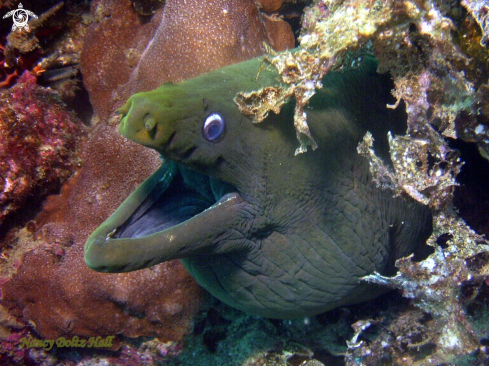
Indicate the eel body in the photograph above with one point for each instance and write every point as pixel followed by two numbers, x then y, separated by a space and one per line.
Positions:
pixel 267 232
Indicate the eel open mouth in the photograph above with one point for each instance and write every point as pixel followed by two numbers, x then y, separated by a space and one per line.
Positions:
pixel 175 213
pixel 178 196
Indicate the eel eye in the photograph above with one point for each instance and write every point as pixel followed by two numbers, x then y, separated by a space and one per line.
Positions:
pixel 213 127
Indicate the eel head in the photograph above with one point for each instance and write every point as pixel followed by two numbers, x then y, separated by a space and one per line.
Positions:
pixel 206 198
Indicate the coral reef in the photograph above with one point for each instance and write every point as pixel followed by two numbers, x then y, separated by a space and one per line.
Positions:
pixel 270 6
pixel 435 286
pixel 413 41
pixel 280 35
pixel 234 32
pixel 49 49
pixel 430 183
pixel 37 146
pixel 151 303
pixel 480 12
pixel 54 265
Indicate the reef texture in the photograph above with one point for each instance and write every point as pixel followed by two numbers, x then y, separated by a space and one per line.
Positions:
pixel 188 38
pixel 480 12
pixel 50 49
pixel 112 48
pixel 59 297
pixel 414 42
pixel 37 145
pixel 159 302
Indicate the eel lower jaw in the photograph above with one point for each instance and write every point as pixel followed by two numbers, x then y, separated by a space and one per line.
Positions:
pixel 126 242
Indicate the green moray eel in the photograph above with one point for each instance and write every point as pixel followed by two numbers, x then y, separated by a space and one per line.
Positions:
pixel 267 232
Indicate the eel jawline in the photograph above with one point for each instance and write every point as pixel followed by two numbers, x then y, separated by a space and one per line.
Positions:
pixel 198 235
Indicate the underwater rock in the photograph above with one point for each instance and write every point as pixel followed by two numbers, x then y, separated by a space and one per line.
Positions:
pixel 283 37
pixel 270 6
pixel 38 142
pixel 58 296
pixel 435 285
pixel 412 40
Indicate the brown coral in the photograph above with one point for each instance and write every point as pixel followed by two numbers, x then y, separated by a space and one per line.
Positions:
pixel 270 6
pixel 155 302
pixel 113 45
pixel 188 38
pixel 280 35
pixel 194 38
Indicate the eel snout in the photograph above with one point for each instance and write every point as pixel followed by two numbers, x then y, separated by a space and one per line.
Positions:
pixel 141 122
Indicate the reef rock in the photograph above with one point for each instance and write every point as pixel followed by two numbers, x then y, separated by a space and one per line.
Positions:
pixel 157 302
pixel 270 6
pixel 38 139
pixel 113 45
pixel 194 38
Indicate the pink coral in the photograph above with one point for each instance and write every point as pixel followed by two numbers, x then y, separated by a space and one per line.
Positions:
pixel 38 138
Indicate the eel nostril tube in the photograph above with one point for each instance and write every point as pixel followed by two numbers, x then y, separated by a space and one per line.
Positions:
pixel 149 122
